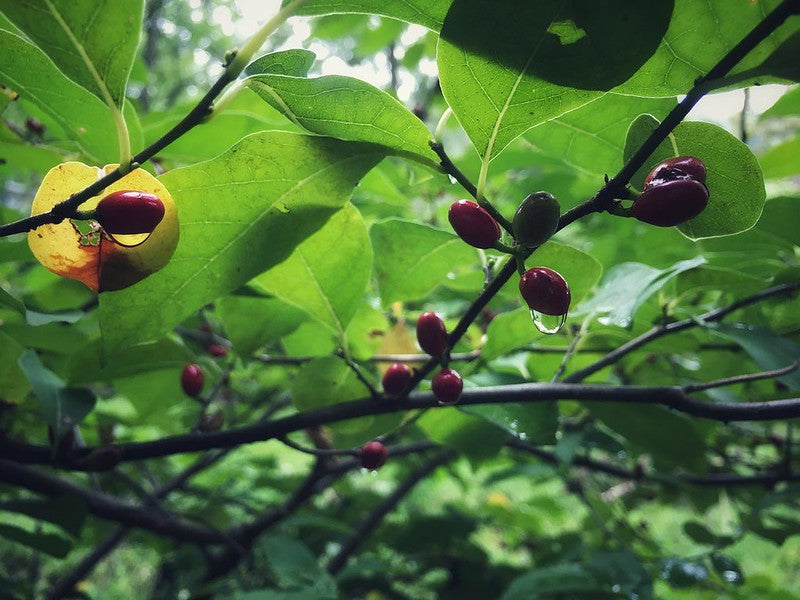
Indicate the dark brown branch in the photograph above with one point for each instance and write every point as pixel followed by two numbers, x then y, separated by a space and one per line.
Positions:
pixel 670 328
pixel 774 374
pixel 384 508
pixel 107 507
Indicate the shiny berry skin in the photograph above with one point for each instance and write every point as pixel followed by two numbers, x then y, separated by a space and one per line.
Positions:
pixel 192 380
pixel 536 219
pixel 545 291
pixel 473 224
pixel 431 334
pixel 447 386
pixel 373 455
pixel 671 202
pixel 396 379
pixel 690 165
pixel 129 212
pixel 217 350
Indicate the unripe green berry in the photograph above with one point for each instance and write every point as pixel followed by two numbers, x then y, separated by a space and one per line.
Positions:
pixel 536 219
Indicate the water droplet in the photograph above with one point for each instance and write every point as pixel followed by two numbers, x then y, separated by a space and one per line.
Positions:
pixel 548 324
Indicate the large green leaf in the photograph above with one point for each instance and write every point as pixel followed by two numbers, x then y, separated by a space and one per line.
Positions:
pixel 295 62
pixel 52 544
pixel 328 285
pixel 700 33
pixel 591 138
pixel 93 42
pixel 429 13
pixel 83 117
pixel 251 321
pixel 550 57
pixel 412 259
pixel 348 109
pixel 781 161
pixel 736 191
pixel 13 384
pixel 626 286
pixel 240 214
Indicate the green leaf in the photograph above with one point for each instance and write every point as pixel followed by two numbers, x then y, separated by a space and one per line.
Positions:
pixel 62 407
pixel 715 26
pixel 626 286
pixel 293 565
pixel 327 285
pixel 786 106
pixel 565 578
pixel 682 573
pixel 535 422
pixel 85 119
pixel 591 138
pixel 51 544
pixel 550 58
pixel 781 160
pixel 92 42
pixel 702 535
pixel 66 511
pixel 254 322
pixel 429 13
pixel 240 214
pixel 295 62
pixel 474 436
pixel 654 429
pixel 13 383
pixel 736 191
pixel 769 350
pixel 727 568
pixel 349 109
pixel 403 248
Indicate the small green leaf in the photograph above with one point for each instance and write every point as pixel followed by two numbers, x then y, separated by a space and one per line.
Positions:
pixel 627 286
pixel 735 184
pixel 781 160
pixel 475 436
pixel 295 62
pixel 67 511
pixel 62 407
pixel 348 109
pixel 51 544
pixel 565 578
pixel 252 322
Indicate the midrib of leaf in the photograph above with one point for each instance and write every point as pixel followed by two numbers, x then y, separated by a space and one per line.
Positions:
pixel 84 57
pixel 254 222
pixel 274 95
pixel 323 295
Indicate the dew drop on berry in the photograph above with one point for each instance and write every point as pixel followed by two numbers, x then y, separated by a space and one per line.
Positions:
pixel 548 324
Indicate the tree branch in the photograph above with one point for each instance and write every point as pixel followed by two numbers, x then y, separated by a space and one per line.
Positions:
pixel 384 508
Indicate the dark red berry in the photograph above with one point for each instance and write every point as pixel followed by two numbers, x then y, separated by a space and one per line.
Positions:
pixel 545 291
pixel 473 224
pixel 536 219
pixel 671 202
pixel 447 386
pixel 217 350
pixel 431 334
pixel 373 454
pixel 690 165
pixel 396 379
pixel 192 380
pixel 128 212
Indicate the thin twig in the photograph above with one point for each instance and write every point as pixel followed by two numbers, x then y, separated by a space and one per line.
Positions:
pixel 316 451
pixel 383 508
pixel 774 374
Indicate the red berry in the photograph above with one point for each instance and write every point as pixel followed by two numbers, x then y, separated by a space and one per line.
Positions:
pixel 35 126
pixel 128 212
pixel 545 291
pixel 690 165
pixel 217 350
pixel 473 224
pixel 447 386
pixel 671 202
pixel 396 379
pixel 431 334
pixel 373 454
pixel 192 380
